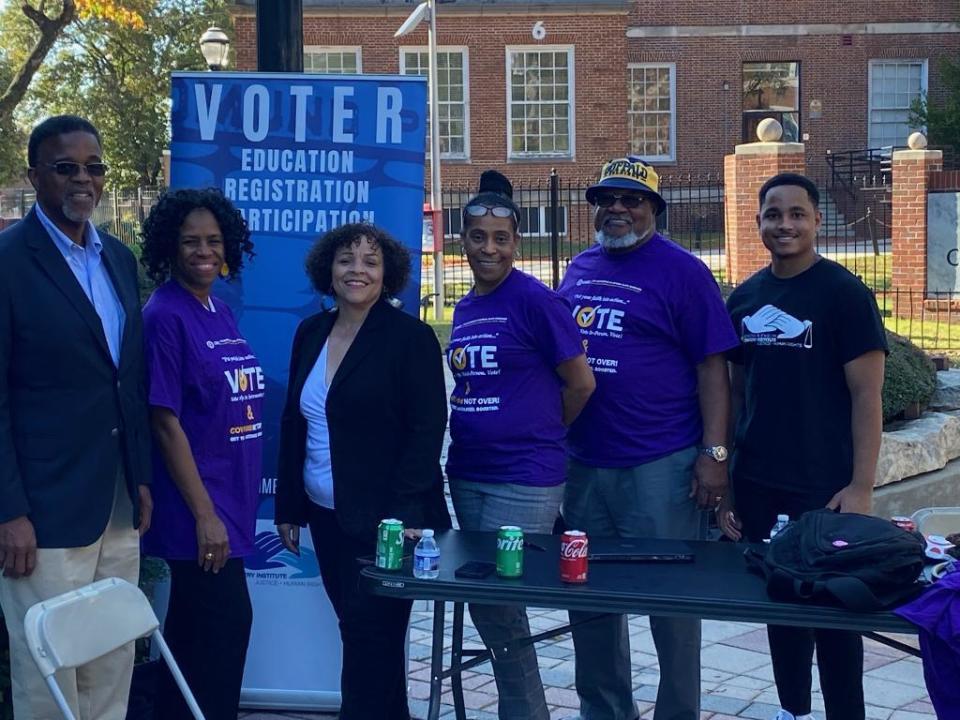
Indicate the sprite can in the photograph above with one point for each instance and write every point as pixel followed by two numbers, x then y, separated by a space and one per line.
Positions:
pixel 390 544
pixel 510 552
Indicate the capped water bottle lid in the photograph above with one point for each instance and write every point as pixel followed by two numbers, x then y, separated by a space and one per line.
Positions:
pixel 428 533
pixel 783 518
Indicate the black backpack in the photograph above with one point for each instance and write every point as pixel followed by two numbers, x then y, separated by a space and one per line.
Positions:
pixel 859 562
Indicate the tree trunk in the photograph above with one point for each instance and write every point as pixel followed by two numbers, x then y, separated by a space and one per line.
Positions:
pixel 50 29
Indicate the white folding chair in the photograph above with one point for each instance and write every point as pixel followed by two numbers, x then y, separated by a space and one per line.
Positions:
pixel 81 625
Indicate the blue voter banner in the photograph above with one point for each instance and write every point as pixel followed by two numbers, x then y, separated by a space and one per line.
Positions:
pixel 298 155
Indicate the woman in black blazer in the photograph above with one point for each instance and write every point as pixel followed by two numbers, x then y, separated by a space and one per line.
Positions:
pixel 360 441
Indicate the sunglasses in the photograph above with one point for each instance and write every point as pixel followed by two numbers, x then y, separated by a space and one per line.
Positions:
pixel 606 200
pixel 497 211
pixel 68 168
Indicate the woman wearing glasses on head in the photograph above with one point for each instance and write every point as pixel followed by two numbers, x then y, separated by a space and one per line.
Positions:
pixel 521 377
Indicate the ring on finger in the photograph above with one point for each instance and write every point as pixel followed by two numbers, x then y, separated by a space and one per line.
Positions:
pixel 208 556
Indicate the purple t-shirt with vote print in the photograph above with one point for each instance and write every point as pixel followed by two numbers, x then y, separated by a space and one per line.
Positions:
pixel 200 367
pixel 648 317
pixel 506 411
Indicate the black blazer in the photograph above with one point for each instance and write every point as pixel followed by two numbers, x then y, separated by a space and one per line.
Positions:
pixel 386 412
pixel 68 416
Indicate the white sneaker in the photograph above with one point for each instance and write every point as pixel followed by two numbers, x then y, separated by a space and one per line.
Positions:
pixel 784 715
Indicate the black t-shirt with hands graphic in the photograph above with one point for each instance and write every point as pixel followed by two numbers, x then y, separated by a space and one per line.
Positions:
pixel 796 334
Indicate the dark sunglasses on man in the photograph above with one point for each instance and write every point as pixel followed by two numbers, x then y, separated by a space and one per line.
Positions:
pixel 68 168
pixel 605 200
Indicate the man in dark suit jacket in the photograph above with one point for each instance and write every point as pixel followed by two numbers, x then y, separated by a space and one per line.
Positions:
pixel 74 438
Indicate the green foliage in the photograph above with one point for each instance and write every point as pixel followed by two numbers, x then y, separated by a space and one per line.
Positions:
pixel 941 118
pixel 118 76
pixel 910 377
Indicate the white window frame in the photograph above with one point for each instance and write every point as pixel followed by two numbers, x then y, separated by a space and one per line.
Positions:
pixel 571 154
pixel 342 49
pixel 542 213
pixel 672 67
pixel 465 54
pixel 871 65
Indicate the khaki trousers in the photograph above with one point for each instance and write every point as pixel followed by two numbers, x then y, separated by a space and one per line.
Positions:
pixel 98 690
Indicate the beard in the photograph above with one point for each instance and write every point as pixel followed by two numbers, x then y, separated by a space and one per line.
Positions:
pixel 609 242
pixel 74 215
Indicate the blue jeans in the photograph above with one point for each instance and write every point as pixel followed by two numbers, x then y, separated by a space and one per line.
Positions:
pixel 649 500
pixel 487 506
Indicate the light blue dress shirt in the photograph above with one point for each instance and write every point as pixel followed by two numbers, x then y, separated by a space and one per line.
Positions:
pixel 86 263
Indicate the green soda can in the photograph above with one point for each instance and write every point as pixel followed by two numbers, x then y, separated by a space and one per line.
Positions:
pixel 390 544
pixel 510 552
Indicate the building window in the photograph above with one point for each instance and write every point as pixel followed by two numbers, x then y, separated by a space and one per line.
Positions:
pixel 540 102
pixel 536 221
pixel 452 222
pixel 453 92
pixel 652 112
pixel 771 90
pixel 332 60
pixel 894 85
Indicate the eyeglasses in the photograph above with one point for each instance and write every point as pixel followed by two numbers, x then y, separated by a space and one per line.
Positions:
pixel 606 200
pixel 497 211
pixel 68 168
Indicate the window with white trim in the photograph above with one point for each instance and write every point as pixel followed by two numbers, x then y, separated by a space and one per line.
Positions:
pixel 894 85
pixel 453 94
pixel 651 110
pixel 332 60
pixel 537 221
pixel 540 110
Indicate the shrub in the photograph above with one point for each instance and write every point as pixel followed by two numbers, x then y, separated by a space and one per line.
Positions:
pixel 910 377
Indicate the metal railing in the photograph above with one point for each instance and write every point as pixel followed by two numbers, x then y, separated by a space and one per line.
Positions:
pixel 120 212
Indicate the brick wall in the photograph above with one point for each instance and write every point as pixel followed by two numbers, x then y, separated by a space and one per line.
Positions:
pixel 708 120
pixel 744 174
pixel 911 178
pixel 742 12
pixel 599 48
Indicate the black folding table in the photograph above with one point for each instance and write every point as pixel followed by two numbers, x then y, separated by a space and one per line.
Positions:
pixel 716 586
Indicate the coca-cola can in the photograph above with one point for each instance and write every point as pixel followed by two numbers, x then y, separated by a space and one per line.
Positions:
pixel 573 557
pixel 904 523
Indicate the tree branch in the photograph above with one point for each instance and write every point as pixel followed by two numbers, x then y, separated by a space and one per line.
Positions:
pixel 50 29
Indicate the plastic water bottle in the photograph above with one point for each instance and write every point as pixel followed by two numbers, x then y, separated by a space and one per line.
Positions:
pixel 426 558
pixel 782 522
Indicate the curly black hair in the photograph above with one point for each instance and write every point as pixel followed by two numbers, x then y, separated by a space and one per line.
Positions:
pixel 396 258
pixel 161 230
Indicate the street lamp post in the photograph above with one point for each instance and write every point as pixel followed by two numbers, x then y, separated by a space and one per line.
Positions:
pixel 215 46
pixel 428 9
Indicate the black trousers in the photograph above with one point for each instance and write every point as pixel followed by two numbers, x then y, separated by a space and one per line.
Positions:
pixel 208 630
pixel 839 652
pixel 373 630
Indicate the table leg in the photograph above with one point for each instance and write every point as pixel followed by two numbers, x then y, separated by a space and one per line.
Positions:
pixel 436 661
pixel 456 657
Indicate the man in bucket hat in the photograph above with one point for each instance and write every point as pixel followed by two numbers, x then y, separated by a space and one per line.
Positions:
pixel 648 453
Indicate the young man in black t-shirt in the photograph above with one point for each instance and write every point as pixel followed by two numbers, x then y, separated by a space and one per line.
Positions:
pixel 806 391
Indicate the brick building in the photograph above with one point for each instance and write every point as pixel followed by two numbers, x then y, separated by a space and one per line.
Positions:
pixel 680 83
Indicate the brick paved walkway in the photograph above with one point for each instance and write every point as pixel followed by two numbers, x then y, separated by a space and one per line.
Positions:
pixel 737 680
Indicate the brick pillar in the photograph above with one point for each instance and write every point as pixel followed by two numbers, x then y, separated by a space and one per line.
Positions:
pixel 745 171
pixel 911 179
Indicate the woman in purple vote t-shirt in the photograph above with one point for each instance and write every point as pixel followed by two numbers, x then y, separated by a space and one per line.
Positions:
pixel 521 377
pixel 206 395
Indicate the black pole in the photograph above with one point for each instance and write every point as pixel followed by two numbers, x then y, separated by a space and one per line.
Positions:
pixel 555 227
pixel 280 35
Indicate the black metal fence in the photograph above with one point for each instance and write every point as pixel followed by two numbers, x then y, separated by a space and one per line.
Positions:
pixel 556 223
pixel 120 212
